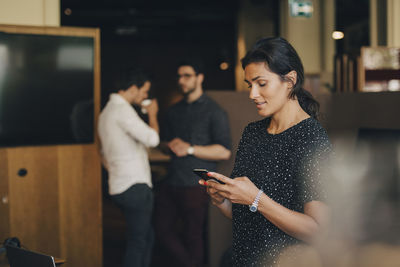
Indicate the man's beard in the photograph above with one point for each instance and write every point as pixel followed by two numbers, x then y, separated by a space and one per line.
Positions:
pixel 187 93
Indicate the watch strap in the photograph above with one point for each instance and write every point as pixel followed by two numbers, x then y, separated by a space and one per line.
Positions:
pixel 254 206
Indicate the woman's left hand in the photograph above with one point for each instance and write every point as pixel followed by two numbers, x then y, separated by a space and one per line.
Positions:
pixel 239 190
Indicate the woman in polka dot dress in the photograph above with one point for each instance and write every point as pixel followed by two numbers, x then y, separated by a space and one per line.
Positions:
pixel 275 197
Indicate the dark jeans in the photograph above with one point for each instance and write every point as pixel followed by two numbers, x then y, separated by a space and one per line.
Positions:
pixel 137 206
pixel 190 204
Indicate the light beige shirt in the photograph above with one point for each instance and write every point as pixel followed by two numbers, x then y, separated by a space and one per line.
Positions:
pixel 124 140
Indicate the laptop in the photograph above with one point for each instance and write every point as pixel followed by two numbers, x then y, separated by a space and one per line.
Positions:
pixel 19 257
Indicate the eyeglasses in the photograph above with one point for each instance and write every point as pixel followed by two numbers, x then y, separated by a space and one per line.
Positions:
pixel 185 76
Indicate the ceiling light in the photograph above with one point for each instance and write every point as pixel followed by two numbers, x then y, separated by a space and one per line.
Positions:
pixel 337 35
pixel 224 66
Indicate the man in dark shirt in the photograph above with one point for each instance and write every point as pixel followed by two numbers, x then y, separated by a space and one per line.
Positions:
pixel 196 131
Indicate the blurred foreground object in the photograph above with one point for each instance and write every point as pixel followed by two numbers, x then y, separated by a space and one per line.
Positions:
pixel 364 196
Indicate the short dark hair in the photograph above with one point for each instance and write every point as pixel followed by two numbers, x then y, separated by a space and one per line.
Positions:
pixel 195 63
pixel 281 58
pixel 133 77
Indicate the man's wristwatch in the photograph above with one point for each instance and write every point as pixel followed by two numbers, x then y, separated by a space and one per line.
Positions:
pixel 253 207
pixel 190 150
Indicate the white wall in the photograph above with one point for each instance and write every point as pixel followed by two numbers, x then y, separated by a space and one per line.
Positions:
pixel 30 12
pixel 305 36
pixel 312 39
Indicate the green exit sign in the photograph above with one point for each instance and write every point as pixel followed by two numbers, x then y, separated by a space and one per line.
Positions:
pixel 301 8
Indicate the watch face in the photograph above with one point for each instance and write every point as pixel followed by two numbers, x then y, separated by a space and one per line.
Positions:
pixel 253 208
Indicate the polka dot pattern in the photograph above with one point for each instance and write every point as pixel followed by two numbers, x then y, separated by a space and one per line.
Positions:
pixel 287 166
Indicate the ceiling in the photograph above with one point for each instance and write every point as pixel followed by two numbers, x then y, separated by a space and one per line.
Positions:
pixel 154 20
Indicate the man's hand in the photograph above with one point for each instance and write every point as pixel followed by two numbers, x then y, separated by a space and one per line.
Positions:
pixel 152 109
pixel 179 147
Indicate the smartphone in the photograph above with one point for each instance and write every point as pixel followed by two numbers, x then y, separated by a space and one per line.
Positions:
pixel 202 173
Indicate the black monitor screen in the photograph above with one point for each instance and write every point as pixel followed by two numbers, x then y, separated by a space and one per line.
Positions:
pixel 46 89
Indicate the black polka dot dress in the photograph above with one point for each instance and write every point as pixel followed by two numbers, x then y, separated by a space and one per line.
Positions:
pixel 287 166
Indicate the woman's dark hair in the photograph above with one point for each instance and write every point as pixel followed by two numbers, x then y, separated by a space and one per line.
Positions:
pixel 281 58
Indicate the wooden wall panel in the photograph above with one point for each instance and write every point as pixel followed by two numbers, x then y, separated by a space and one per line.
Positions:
pixel 56 208
pixel 68 31
pixel 4 200
pixel 34 198
pixel 80 205
pixel 97 81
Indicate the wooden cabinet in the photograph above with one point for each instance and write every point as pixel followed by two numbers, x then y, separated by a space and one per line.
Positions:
pixel 33 197
pixel 55 208
pixel 50 196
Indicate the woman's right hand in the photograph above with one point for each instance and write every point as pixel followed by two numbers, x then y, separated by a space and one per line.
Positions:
pixel 216 198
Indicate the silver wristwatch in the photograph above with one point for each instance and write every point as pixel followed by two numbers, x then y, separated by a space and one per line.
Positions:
pixel 253 207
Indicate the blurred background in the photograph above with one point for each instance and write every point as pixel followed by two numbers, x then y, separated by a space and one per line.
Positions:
pixel 155 35
pixel 351 54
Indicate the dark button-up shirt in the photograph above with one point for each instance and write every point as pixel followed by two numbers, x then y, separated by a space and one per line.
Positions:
pixel 202 122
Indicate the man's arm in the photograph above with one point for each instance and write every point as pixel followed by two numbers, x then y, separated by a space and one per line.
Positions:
pixel 219 149
pixel 152 111
pixel 138 129
pixel 221 138
pixel 213 152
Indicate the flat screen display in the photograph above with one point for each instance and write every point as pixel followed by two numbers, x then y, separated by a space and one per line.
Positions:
pixel 46 90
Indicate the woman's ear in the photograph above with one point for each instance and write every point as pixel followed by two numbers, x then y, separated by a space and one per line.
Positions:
pixel 292 78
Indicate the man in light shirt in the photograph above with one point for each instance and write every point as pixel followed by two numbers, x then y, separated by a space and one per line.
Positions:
pixel 124 140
